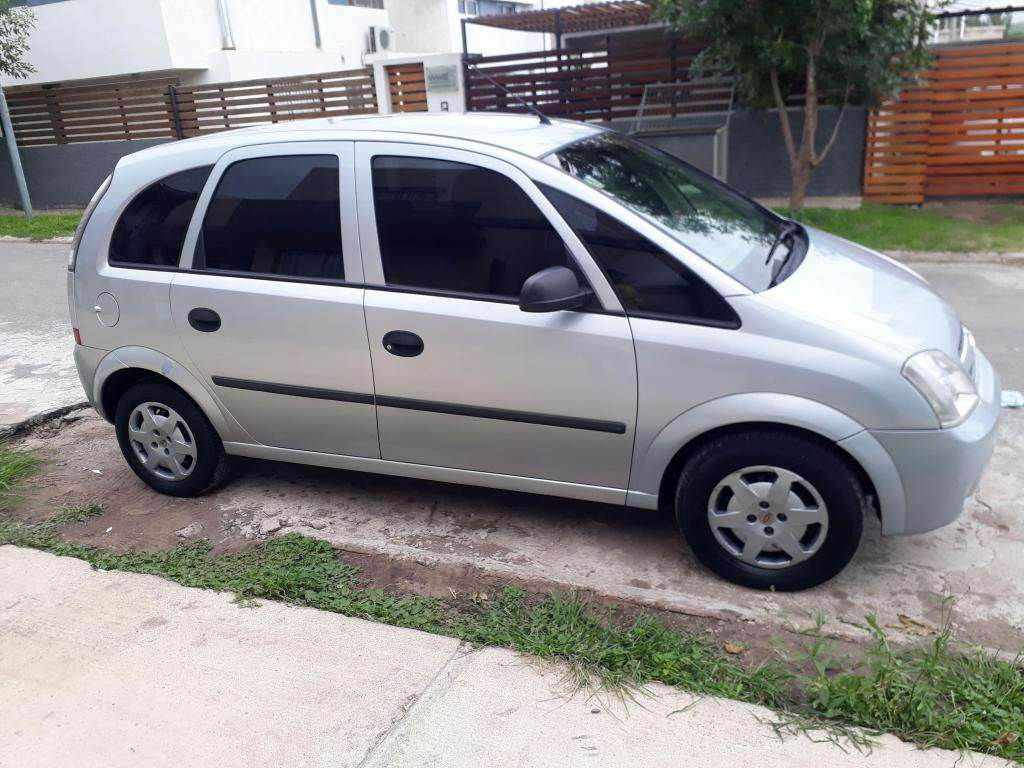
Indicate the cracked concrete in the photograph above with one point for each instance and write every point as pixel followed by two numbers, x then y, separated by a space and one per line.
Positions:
pixel 120 669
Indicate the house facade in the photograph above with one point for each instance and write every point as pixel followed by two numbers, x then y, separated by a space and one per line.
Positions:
pixel 204 41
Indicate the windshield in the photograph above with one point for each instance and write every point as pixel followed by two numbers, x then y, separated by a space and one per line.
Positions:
pixel 722 226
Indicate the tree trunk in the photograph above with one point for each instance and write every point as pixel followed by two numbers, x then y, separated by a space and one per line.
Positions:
pixel 799 178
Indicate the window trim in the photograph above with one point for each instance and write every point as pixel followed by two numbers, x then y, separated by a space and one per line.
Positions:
pixel 351 258
pixel 607 301
pixel 123 209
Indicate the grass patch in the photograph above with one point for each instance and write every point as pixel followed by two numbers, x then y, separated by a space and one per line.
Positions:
pixel 15 466
pixel 896 227
pixel 42 226
pixel 932 695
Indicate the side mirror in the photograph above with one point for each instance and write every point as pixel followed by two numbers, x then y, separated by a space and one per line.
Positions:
pixel 553 289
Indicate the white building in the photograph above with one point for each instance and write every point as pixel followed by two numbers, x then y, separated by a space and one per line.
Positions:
pixel 202 41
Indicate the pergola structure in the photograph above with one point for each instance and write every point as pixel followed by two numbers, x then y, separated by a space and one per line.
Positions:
pixel 576 18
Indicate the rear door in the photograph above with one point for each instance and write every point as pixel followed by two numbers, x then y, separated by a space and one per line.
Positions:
pixel 266 307
pixel 448 238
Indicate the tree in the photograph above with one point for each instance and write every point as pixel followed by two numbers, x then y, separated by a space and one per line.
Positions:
pixel 830 51
pixel 16 25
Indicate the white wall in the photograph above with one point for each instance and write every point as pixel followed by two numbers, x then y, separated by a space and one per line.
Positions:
pixel 421 26
pixel 77 40
pixel 89 39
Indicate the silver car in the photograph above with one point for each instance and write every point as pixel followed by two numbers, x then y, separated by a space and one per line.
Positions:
pixel 551 308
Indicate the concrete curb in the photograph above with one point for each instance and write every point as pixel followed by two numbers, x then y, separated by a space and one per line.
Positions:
pixel 958 257
pixel 64 240
pixel 12 430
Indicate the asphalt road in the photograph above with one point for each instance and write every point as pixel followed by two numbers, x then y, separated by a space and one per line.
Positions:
pixel 37 371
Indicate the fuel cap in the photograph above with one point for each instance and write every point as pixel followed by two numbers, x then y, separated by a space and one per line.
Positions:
pixel 106 309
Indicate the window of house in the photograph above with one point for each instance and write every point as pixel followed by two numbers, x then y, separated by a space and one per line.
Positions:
pixel 152 228
pixel 276 216
pixel 648 281
pixel 359 3
pixel 459 228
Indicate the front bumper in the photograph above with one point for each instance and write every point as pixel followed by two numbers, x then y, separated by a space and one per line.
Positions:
pixel 939 469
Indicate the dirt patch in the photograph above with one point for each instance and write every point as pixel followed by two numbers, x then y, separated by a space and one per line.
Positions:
pixel 454 542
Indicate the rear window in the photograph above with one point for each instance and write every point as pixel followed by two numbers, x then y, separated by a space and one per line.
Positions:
pixel 151 231
pixel 276 216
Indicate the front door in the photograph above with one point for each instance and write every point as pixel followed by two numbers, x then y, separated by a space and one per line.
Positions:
pixel 464 378
pixel 266 307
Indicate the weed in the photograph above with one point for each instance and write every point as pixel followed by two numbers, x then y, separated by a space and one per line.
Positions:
pixel 15 466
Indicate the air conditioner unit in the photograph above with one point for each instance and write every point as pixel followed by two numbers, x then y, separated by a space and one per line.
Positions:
pixel 380 39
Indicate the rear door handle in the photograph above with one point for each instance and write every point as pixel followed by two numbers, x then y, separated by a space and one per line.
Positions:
pixel 403 343
pixel 203 319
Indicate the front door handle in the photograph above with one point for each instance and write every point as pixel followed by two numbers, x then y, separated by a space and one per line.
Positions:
pixel 203 319
pixel 403 343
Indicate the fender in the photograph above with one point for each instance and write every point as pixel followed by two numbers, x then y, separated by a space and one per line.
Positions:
pixel 651 461
pixel 157 362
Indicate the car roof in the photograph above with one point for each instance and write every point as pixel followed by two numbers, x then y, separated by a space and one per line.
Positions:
pixel 524 134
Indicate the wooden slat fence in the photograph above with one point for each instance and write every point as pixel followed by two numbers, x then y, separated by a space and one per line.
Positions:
pixel 219 106
pixel 408 87
pixel 160 108
pixel 63 115
pixel 601 81
pixel 961 132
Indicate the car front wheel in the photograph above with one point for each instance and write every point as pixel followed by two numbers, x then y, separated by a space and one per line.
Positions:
pixel 770 510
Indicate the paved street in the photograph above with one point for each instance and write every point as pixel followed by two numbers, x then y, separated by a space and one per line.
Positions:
pixel 123 670
pixel 37 371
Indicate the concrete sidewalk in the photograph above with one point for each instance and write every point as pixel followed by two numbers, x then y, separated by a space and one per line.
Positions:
pixel 119 669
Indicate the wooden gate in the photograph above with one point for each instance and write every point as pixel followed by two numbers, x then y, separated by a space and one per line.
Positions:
pixel 408 87
pixel 961 132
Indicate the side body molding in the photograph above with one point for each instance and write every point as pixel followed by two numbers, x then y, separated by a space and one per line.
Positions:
pixel 157 362
pixel 651 460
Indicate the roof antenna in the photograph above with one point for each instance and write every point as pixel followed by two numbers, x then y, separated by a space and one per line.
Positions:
pixel 544 119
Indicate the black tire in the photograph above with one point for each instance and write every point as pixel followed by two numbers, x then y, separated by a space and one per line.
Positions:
pixel 210 466
pixel 821 466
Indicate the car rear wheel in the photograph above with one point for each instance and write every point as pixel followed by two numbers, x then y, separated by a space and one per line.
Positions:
pixel 770 510
pixel 167 441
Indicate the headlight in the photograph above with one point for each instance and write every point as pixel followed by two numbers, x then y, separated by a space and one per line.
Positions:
pixel 944 384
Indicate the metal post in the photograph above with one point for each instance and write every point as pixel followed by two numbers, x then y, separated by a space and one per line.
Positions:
pixel 316 23
pixel 558 28
pixel 465 45
pixel 12 148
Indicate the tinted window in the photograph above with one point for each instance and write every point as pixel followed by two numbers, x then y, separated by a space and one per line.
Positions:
pixel 152 228
pixel 648 281
pixel 454 227
pixel 709 218
pixel 276 216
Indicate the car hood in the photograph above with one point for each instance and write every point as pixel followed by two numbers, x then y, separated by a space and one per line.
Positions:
pixel 842 284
